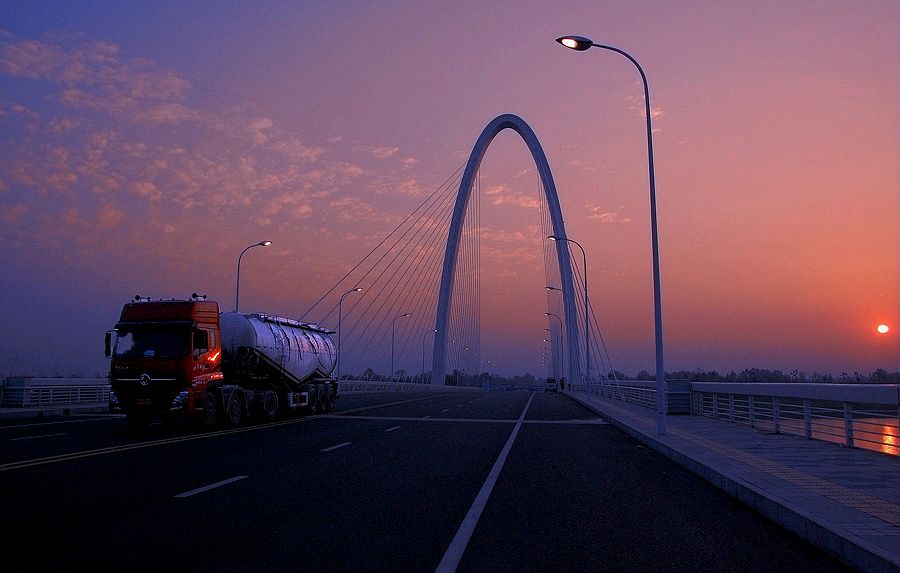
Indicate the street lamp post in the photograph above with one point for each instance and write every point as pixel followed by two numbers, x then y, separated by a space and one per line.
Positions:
pixel 562 366
pixel 237 287
pixel 424 336
pixel 587 324
pixel 341 302
pixel 580 43
pixel 394 322
pixel 556 346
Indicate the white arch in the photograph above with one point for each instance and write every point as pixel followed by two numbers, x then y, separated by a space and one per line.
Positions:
pixel 498 124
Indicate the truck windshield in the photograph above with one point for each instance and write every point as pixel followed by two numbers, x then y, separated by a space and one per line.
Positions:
pixel 152 342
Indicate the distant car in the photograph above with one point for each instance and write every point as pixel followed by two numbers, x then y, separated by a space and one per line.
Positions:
pixel 550 386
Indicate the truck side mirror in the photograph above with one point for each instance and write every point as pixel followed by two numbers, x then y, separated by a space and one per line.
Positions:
pixel 109 343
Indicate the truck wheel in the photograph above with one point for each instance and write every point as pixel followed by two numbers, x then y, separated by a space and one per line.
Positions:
pixel 312 401
pixel 234 409
pixel 137 423
pixel 270 407
pixel 210 416
pixel 329 397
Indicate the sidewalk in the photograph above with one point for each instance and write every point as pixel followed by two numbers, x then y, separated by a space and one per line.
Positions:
pixel 843 500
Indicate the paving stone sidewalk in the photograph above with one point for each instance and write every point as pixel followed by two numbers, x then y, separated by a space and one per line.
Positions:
pixel 844 500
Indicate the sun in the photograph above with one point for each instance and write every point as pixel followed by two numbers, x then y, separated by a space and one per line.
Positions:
pixel 883 329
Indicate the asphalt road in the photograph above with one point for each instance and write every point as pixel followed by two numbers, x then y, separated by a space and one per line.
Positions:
pixel 389 482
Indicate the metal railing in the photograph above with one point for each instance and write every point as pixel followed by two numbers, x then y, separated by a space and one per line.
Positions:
pixel 20 392
pixel 24 392
pixel 643 393
pixel 864 416
pixel 362 386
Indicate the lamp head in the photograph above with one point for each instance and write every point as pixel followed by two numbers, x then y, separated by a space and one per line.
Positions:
pixel 264 243
pixel 577 43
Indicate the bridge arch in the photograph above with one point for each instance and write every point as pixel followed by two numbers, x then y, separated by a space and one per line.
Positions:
pixel 498 124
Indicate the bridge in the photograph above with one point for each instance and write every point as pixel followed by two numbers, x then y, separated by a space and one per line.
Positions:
pixel 421 468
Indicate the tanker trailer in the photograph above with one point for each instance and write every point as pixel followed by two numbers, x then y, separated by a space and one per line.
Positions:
pixel 291 358
pixel 178 358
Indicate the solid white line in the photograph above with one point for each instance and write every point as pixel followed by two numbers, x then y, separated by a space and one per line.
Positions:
pixel 37 437
pixel 210 486
pixel 458 546
pixel 336 447
pixel 392 429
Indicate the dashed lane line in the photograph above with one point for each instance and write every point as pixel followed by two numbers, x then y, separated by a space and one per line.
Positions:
pixel 210 486
pixel 342 445
pixel 38 437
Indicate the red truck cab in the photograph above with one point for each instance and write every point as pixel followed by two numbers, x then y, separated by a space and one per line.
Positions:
pixel 163 355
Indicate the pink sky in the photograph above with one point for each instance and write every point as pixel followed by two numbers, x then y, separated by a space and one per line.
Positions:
pixel 143 147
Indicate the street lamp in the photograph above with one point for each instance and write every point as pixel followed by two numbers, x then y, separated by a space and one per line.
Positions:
pixel 580 44
pixel 341 302
pixel 237 288
pixel 587 327
pixel 393 322
pixel 557 349
pixel 424 336
pixel 561 358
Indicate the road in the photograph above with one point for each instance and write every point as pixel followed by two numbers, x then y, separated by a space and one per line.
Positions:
pixel 510 481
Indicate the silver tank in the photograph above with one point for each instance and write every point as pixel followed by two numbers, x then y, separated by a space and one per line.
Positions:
pixel 302 350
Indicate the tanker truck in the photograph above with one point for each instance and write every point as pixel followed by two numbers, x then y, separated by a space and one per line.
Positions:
pixel 171 359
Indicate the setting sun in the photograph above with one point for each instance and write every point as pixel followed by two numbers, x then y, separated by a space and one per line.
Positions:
pixel 883 329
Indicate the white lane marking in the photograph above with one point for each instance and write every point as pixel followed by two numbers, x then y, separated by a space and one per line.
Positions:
pixel 336 447
pixel 211 486
pixel 425 417
pixel 446 410
pixel 392 429
pixel 458 546
pixel 37 437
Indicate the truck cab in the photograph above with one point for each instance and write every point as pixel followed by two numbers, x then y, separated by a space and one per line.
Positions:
pixel 163 355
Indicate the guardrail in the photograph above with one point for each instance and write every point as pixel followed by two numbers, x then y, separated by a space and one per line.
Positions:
pixel 643 393
pixel 363 386
pixel 22 392
pixel 864 416
pixel 25 392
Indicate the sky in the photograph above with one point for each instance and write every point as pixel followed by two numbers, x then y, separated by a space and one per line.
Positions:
pixel 143 146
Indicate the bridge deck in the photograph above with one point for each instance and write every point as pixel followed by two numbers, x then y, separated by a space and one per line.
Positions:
pixel 846 501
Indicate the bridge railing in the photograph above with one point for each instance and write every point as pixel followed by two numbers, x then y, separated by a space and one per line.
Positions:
pixel 642 393
pixel 25 392
pixel 855 415
pixel 362 386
